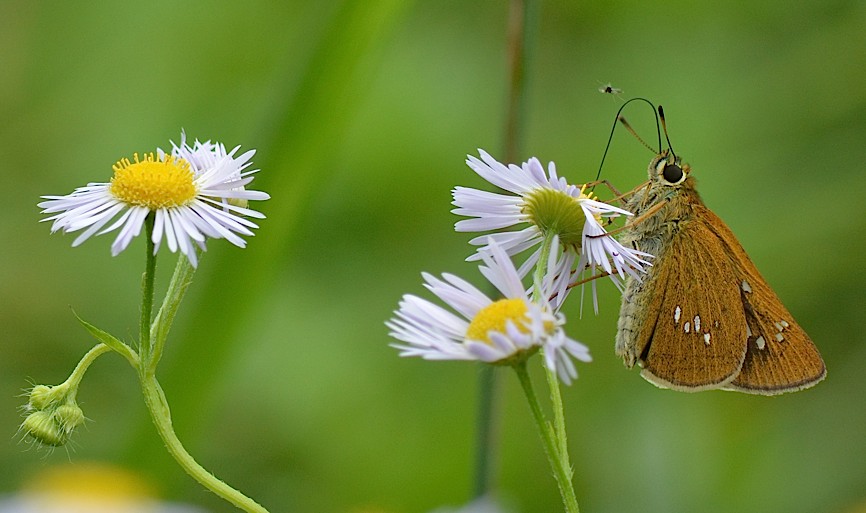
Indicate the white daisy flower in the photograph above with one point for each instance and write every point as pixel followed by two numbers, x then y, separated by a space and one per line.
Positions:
pixel 548 204
pixel 194 193
pixel 482 329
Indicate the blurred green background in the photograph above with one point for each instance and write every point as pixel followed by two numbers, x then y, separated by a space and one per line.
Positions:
pixel 278 369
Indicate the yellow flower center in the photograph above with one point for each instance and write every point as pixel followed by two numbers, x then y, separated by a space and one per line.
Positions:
pixel 495 316
pixel 556 212
pixel 153 183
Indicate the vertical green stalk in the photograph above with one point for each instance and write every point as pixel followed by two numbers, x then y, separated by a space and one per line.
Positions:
pixel 558 414
pixel 485 436
pixel 144 348
pixel 180 281
pixel 150 349
pixel 522 31
pixel 541 267
pixel 559 440
pixel 559 463
pixel 552 379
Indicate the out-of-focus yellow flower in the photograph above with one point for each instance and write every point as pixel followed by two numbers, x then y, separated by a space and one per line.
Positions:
pixel 88 488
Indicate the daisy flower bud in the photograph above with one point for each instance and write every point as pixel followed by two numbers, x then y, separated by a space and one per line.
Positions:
pixel 68 416
pixel 42 427
pixel 41 396
pixel 52 414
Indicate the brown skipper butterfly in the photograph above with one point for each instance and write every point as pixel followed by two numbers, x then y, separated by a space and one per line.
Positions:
pixel 703 317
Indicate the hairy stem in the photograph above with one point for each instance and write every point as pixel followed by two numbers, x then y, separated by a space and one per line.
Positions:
pixel 161 416
pixel 559 463
pixel 150 348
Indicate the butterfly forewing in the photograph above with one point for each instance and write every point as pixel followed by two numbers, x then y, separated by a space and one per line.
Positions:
pixel 693 342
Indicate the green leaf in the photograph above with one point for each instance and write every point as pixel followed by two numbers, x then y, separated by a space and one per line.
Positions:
pixel 110 340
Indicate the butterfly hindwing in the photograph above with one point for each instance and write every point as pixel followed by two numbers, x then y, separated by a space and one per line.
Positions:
pixel 781 357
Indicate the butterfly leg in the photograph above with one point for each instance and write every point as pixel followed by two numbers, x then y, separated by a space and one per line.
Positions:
pixel 592 278
pixel 639 219
pixel 618 196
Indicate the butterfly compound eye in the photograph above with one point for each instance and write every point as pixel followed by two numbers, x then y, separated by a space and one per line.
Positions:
pixel 672 173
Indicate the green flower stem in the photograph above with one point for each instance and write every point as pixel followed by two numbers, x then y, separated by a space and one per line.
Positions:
pixel 180 281
pixel 557 430
pixel 150 348
pixel 541 267
pixel 161 416
pixel 552 445
pixel 558 414
pixel 75 378
pixel 486 430
pixel 552 379
pixel 144 348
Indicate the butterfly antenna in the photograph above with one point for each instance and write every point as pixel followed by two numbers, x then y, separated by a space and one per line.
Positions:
pixel 632 132
pixel 622 120
pixel 665 128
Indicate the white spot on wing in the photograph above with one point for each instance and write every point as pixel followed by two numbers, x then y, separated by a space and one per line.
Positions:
pixel 697 323
pixel 779 326
pixel 760 342
pixel 784 324
pixel 686 327
pixel 779 337
pixel 707 338
pixel 677 313
pixel 745 286
pixel 748 331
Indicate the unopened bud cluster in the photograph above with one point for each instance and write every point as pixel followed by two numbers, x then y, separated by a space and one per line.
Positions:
pixel 52 414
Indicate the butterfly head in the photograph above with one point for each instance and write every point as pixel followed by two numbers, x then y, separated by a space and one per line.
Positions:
pixel 667 170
